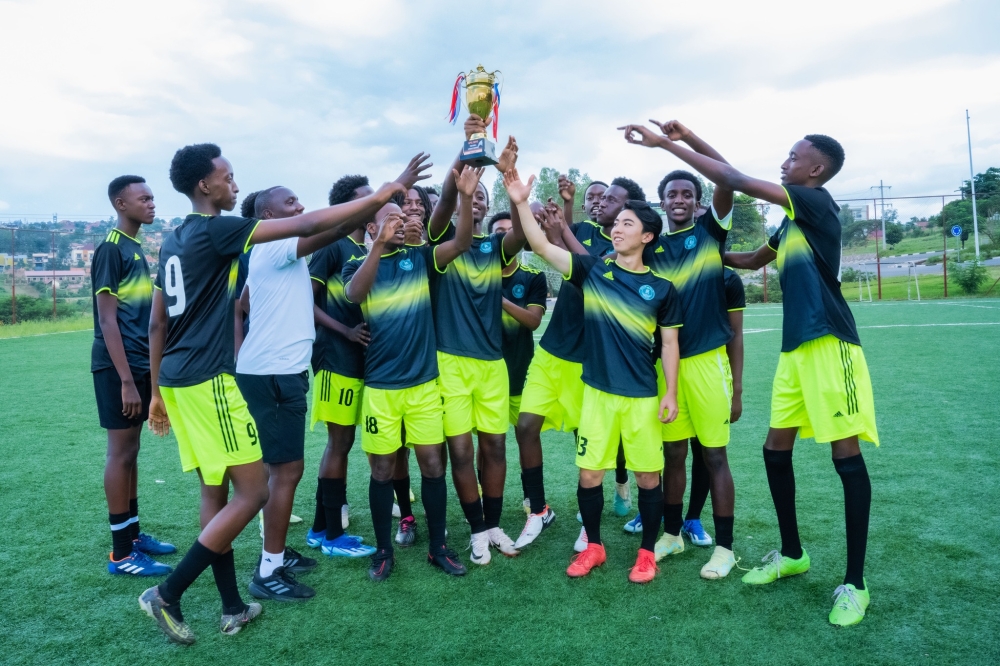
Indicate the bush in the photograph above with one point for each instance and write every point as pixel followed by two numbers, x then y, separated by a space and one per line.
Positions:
pixel 755 291
pixel 850 274
pixel 35 309
pixel 970 276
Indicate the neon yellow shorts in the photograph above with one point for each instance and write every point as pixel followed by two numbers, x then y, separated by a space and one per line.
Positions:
pixel 213 426
pixel 553 389
pixel 337 399
pixel 609 419
pixel 704 399
pixel 515 409
pixel 822 388
pixel 385 410
pixel 476 394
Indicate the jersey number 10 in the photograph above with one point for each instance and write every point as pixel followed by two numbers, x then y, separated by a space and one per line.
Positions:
pixel 173 285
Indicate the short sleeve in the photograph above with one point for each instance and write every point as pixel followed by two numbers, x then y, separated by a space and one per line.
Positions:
pixel 158 278
pixel 669 314
pixel 538 290
pixel 735 294
pixel 350 268
pixel 497 240
pixel 446 235
pixel 716 228
pixel 231 235
pixel 321 264
pixel 106 269
pixel 580 267
pixel 809 204
pixel 428 252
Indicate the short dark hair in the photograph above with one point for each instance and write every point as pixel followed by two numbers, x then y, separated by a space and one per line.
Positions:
pixel 651 221
pixel 831 149
pixel 502 215
pixel 192 164
pixel 431 190
pixel 118 185
pixel 261 201
pixel 634 191
pixel 595 182
pixel 249 201
pixel 680 174
pixel 343 190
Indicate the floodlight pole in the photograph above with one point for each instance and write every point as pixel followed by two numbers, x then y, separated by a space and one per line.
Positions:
pixel 53 264
pixel 972 182
pixel 878 259
pixel 944 235
pixel 13 281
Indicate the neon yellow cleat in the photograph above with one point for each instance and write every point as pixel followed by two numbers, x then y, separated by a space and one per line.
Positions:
pixel 668 544
pixel 775 567
pixel 719 565
pixel 850 605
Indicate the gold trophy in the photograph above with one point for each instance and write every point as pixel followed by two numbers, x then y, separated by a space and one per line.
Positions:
pixel 482 96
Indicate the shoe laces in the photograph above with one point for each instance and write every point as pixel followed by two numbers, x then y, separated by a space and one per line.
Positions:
pixel 847 599
pixel 141 558
pixel 645 561
pixel 407 524
pixel 772 559
pixel 586 558
pixel 292 554
pixel 287 575
pixel 500 538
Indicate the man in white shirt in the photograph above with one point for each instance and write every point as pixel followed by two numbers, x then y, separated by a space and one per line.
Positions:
pixel 272 374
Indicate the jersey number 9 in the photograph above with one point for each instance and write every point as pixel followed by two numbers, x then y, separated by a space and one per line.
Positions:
pixel 173 285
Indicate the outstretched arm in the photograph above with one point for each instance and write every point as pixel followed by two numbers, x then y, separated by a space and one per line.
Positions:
pixel 722 199
pixel 445 208
pixel 359 286
pixel 750 260
pixel 466 183
pixel 720 173
pixel 518 192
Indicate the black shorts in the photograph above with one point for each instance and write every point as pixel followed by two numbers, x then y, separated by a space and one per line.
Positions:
pixel 278 406
pixel 108 391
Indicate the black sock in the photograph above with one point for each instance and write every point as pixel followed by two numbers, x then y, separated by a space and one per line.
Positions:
pixel 534 488
pixel 224 570
pixel 121 535
pixel 492 508
pixel 434 495
pixel 380 500
pixel 319 518
pixel 621 474
pixel 402 488
pixel 672 521
pixel 781 479
pixel 699 483
pixel 195 561
pixel 651 510
pixel 591 501
pixel 857 508
pixel 133 514
pixel 474 514
pixel 334 498
pixel 723 531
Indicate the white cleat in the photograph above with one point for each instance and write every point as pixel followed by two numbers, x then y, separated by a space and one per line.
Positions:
pixel 480 545
pixel 668 544
pixel 395 511
pixel 581 541
pixel 502 542
pixel 537 522
pixel 720 564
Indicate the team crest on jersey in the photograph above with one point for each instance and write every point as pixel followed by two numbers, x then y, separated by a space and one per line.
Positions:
pixel 406 265
pixel 486 247
pixel 690 242
pixel 646 292
pixel 518 291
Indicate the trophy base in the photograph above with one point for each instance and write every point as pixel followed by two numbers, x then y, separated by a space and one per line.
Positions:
pixel 478 153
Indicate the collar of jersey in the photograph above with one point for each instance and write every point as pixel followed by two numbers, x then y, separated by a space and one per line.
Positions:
pixel 680 231
pixel 632 272
pixel 356 242
pixel 396 251
pixel 126 235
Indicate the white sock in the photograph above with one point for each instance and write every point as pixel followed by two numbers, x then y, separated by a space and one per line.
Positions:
pixel 269 562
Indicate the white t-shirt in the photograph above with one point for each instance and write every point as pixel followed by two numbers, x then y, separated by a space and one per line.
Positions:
pixel 282 328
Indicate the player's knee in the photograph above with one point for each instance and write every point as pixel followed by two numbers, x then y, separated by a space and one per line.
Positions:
pixel 675 453
pixel 382 466
pixel 715 459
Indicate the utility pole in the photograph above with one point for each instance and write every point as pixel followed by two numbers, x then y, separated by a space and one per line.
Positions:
pixel 881 187
pixel 972 182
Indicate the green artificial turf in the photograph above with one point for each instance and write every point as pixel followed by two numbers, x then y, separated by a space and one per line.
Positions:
pixel 932 559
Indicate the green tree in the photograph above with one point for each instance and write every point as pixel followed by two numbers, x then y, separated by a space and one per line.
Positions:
pixel 499 201
pixel 547 186
pixel 970 276
pixel 987 184
pixel 893 234
pixel 749 219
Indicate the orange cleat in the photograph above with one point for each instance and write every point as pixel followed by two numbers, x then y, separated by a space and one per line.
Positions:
pixel 645 567
pixel 581 565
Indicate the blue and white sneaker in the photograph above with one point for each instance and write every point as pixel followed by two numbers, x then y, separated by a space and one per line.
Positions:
pixel 315 539
pixel 634 526
pixel 138 564
pixel 346 546
pixel 153 546
pixel 693 530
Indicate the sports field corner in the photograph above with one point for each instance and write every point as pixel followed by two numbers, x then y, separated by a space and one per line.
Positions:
pixel 932 564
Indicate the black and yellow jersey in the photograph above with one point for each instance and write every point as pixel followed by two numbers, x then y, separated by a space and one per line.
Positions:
pixel 563 337
pixel 466 299
pixel 402 352
pixel 691 259
pixel 622 312
pixel 736 297
pixel 808 247
pixel 523 287
pixel 119 268
pixel 197 275
pixel 332 351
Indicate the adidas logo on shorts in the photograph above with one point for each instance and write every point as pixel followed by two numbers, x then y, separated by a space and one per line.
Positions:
pixel 838 414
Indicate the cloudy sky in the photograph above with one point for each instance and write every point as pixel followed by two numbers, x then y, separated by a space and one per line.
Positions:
pixel 299 93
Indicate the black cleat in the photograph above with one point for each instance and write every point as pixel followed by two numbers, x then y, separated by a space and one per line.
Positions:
pixel 171 622
pixel 382 563
pixel 447 560
pixel 280 586
pixel 296 562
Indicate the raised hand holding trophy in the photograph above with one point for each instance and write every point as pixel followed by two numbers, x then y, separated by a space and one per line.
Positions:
pixel 482 96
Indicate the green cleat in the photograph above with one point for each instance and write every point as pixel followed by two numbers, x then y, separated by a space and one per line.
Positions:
pixel 775 567
pixel 850 605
